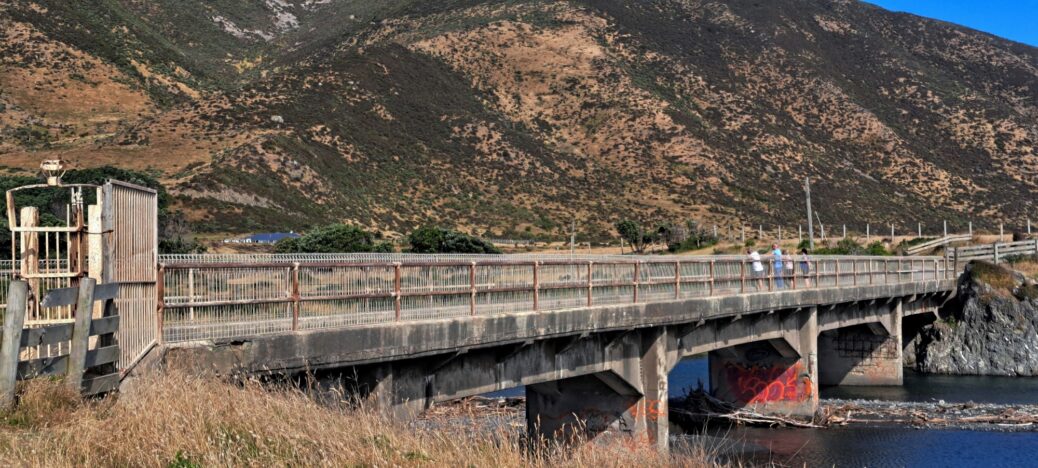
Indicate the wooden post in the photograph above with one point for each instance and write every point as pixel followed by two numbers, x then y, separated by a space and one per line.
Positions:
pixel 971 230
pixel 80 334
pixel 919 228
pixel 868 233
pixel 760 232
pixel 844 231
pixel 744 234
pixel 14 321
pixel 396 290
pixel 1001 232
pixel 945 228
pixel 996 253
pixel 800 233
pixel 295 295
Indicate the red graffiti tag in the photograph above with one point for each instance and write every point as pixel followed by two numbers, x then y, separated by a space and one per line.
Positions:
pixel 651 408
pixel 756 384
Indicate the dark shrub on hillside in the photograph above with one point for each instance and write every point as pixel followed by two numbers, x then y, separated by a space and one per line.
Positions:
pixel 334 238
pixel 431 239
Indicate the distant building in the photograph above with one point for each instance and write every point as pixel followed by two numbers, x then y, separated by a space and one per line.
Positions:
pixel 263 238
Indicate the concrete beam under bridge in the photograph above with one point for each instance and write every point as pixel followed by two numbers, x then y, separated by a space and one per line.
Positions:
pixel 606 364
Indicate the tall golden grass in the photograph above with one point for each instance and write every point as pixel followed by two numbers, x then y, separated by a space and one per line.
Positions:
pixel 184 421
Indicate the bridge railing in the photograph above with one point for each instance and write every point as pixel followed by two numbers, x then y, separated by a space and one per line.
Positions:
pixel 202 300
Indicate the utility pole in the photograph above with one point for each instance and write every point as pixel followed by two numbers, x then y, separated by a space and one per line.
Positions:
pixel 810 220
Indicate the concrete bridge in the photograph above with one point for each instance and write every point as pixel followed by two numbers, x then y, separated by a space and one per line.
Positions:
pixel 592 339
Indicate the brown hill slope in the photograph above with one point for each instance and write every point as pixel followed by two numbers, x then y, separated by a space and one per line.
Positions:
pixel 521 115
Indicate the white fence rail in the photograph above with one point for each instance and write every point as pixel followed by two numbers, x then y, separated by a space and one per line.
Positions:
pixel 996 252
pixel 930 245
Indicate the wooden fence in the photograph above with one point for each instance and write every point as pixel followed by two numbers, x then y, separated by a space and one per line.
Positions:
pixel 90 370
pixel 996 252
pixel 930 245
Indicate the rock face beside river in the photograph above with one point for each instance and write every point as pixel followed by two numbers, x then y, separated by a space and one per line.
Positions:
pixel 994 333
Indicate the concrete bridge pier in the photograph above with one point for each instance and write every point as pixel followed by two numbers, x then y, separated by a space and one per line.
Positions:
pixel 628 401
pixel 776 376
pixel 864 355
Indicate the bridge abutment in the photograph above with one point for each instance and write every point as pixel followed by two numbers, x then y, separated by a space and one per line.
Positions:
pixel 864 355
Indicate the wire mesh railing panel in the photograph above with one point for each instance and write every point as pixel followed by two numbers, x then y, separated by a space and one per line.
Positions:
pixel 504 276
pixel 226 321
pixel 562 298
pixel 612 273
pixel 326 281
pixel 434 278
pixel 504 302
pixel 191 285
pixel 656 292
pixel 562 275
pixel 435 306
pixel 335 313
pixel 610 295
pixel 657 272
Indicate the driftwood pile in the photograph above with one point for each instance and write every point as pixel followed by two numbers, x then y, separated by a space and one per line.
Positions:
pixel 924 414
pixel 698 408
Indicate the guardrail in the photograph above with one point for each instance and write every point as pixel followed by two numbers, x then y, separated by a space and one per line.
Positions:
pixel 928 245
pixel 201 300
pixel 995 252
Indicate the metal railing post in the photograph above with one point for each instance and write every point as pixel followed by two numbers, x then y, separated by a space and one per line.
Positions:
pixel 590 285
pixel 472 288
pixel 677 280
pixel 396 290
pixel 295 296
pixel 854 272
pixel 160 301
pixel 536 286
pixel 637 279
pixel 742 276
pixel 712 273
pixel 837 272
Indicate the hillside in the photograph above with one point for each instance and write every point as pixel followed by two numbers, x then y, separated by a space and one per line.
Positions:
pixel 521 115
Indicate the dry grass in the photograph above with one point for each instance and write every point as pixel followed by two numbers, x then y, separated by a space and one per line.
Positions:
pixel 176 420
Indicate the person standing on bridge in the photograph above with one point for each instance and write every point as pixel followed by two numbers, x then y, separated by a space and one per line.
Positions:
pixel 777 253
pixel 805 267
pixel 758 268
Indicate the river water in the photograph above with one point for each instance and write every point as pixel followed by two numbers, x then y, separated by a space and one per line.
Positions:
pixel 881 446
pixel 878 446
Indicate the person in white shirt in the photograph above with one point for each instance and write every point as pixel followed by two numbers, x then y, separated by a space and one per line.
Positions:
pixel 758 268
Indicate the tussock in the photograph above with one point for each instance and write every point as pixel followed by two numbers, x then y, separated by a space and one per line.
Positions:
pixel 178 420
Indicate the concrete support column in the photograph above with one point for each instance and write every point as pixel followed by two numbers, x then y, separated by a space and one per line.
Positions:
pixel 864 355
pixel 628 401
pixel 778 376
pixel 400 391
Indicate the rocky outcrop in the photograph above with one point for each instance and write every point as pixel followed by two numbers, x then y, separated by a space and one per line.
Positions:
pixel 994 333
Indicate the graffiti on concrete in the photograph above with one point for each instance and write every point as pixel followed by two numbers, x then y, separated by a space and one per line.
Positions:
pixel 651 408
pixel 768 384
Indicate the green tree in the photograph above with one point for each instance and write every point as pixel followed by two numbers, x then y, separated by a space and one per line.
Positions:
pixel 431 239
pixel 334 238
pixel 633 233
